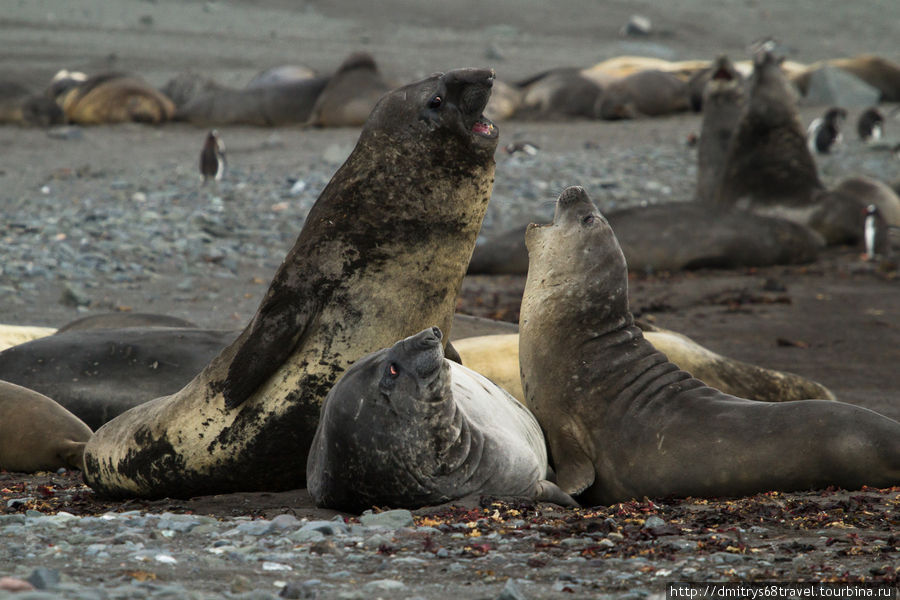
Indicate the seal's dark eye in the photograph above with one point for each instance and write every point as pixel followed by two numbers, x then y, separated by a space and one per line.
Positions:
pixel 435 102
pixel 393 371
pixel 588 219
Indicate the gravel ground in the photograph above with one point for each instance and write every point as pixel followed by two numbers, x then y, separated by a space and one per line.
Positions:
pixel 114 218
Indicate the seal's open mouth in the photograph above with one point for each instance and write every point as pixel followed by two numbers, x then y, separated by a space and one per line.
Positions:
pixel 484 127
pixel 723 74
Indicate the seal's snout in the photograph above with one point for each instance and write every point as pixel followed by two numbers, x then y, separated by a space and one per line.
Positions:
pixel 573 195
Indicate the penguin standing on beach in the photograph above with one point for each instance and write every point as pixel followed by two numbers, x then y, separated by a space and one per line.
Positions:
pixel 212 158
pixel 870 125
pixel 875 234
pixel 824 133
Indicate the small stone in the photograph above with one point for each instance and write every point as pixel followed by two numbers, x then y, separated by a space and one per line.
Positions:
pixel 73 295
pixel 511 591
pixel 385 585
pixel 65 133
pixel 43 578
pixel 637 25
pixel 389 518
pixel 653 522
pixel 300 591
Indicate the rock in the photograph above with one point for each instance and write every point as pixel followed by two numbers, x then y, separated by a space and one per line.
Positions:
pixel 300 591
pixel 511 591
pixel 43 578
pixel 831 86
pixel 392 519
pixel 73 295
pixel 637 25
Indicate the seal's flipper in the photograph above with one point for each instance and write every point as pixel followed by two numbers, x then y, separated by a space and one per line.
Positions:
pixel 271 338
pixel 546 491
pixel 450 353
pixel 574 467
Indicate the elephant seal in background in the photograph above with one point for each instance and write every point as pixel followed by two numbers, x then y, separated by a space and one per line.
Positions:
pixel 19 106
pixel 558 93
pixel 280 75
pixel 723 101
pixel 878 72
pixel 650 93
pixel 405 427
pixel 288 103
pixel 115 98
pixel 422 169
pixel 840 216
pixel 13 335
pixel 768 165
pixel 118 320
pixel 351 93
pixel 37 434
pixel 97 374
pixel 676 236
pixel 623 422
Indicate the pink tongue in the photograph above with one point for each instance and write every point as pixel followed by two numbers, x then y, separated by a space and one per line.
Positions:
pixel 481 127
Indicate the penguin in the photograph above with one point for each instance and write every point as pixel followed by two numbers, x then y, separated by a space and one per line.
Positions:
pixel 824 133
pixel 212 157
pixel 870 125
pixel 875 234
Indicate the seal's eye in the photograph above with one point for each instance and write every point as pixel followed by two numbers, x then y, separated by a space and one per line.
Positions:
pixel 393 371
pixel 435 102
pixel 588 219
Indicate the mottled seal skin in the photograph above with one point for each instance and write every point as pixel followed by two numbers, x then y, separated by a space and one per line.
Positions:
pixel 97 374
pixel 115 98
pixel 395 227
pixel 37 434
pixel 289 103
pixel 350 94
pixel 20 106
pixel 650 93
pixel 768 164
pixel 674 237
pixel 404 427
pixel 723 101
pixel 623 422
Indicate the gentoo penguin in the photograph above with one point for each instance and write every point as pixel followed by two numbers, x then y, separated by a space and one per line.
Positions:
pixel 212 157
pixel 824 134
pixel 875 233
pixel 870 125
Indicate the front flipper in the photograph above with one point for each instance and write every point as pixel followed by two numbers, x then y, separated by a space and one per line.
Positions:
pixel 547 491
pixel 574 467
pixel 275 333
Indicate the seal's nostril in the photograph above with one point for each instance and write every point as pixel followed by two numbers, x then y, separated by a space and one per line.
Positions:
pixel 437 333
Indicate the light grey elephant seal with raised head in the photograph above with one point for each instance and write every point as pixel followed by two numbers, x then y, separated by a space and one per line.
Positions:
pixel 623 422
pixel 382 255
pixel 406 427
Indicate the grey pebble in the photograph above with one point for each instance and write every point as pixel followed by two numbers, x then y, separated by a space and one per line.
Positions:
pixel 390 518
pixel 511 591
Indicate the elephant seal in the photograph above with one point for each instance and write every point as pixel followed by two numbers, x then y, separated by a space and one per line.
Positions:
pixel 623 422
pixel 97 374
pixel 405 427
pixel 650 93
pixel 880 73
pixel 288 103
pixel 422 169
pixel 13 335
pixel 279 75
pixel 768 165
pixel 119 320
pixel 558 93
pixel 676 236
pixel 115 98
pixel 350 94
pixel 37 434
pixel 18 105
pixel 497 358
pixel 840 214
pixel 723 101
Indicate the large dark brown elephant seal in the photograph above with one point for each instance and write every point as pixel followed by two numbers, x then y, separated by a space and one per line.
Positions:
pixel 351 93
pixel 840 216
pixel 768 165
pixel 115 98
pixel 36 433
pixel 20 106
pixel 623 422
pixel 723 101
pixel 382 255
pixel 649 93
pixel 558 93
pixel 405 427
